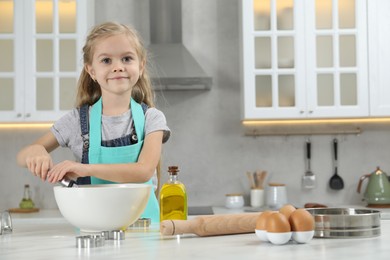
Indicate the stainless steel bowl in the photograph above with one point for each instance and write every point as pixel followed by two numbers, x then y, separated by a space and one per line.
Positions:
pixel 346 222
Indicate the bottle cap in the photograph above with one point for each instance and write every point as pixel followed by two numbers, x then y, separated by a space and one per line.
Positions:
pixel 173 169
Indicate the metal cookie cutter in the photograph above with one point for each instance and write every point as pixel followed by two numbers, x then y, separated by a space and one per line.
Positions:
pixel 89 241
pixel 141 223
pixel 66 182
pixel 114 235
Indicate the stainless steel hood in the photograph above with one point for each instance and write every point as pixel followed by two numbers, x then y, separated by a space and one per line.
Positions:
pixel 173 65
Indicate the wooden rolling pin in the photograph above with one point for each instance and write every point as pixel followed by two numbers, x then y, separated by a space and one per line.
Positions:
pixel 211 225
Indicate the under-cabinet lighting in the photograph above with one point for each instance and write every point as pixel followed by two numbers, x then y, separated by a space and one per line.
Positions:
pixel 25 125
pixel 315 121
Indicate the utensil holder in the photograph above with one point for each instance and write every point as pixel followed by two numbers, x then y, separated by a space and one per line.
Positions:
pixel 257 198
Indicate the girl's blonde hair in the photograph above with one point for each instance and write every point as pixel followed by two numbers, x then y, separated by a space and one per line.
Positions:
pixel 88 90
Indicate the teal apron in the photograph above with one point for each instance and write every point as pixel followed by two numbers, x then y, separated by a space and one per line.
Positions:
pixel 99 154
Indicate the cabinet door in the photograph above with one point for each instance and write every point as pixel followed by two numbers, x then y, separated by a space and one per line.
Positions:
pixel 336 70
pixel 379 53
pixel 304 59
pixel 11 75
pixel 272 44
pixel 54 34
pixel 40 46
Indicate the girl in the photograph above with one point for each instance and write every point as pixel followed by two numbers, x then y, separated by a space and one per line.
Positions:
pixel 115 131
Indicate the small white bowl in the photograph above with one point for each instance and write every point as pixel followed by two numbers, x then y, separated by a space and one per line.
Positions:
pixel 234 201
pixel 262 235
pixel 106 207
pixel 279 238
pixel 302 236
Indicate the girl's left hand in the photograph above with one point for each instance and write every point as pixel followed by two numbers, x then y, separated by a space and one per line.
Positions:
pixel 69 168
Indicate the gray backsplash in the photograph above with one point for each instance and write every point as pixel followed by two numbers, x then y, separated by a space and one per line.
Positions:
pixel 207 141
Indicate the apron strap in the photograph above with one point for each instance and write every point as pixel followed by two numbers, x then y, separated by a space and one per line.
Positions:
pixel 84 124
pixel 137 112
pixel 95 131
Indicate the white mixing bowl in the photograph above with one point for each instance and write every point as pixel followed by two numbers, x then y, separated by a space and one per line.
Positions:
pixel 95 208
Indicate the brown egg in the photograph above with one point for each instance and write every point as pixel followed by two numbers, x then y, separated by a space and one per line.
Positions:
pixel 287 210
pixel 301 220
pixel 262 220
pixel 277 223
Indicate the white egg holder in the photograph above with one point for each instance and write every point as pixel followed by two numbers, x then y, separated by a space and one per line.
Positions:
pixel 281 238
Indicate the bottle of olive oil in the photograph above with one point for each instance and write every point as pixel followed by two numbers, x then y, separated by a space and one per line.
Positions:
pixel 26 202
pixel 173 197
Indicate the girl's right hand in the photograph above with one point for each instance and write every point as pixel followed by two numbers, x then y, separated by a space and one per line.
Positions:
pixel 39 161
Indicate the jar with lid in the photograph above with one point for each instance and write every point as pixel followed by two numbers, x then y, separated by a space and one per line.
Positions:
pixel 234 201
pixel 276 195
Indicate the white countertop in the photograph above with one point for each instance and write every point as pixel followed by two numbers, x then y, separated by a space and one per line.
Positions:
pixel 46 234
pixel 384 212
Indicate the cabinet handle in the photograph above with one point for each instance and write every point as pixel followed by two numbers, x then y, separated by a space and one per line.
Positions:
pixel 19 115
pixel 310 111
pixel 301 112
pixel 28 115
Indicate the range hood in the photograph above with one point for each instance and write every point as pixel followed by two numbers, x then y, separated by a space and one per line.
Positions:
pixel 173 65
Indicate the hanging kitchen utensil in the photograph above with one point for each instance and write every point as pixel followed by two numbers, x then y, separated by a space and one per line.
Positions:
pixel 336 182
pixel 308 179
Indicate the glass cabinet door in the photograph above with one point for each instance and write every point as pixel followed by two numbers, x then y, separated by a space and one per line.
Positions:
pixel 10 78
pixel 304 58
pixel 276 42
pixel 40 50
pixel 337 72
pixel 55 39
pixel 274 39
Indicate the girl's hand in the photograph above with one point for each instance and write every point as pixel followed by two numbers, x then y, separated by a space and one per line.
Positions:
pixel 69 168
pixel 36 157
pixel 39 161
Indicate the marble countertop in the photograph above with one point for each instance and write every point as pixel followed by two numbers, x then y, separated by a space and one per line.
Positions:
pixel 384 212
pixel 46 234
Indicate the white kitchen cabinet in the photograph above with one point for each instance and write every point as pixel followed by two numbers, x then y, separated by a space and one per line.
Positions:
pixel 304 59
pixel 40 46
pixel 379 56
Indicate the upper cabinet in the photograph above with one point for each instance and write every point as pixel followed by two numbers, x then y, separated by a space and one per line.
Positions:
pixel 379 56
pixel 40 46
pixel 304 59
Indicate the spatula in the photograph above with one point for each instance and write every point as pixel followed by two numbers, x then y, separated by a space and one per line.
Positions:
pixel 336 182
pixel 308 179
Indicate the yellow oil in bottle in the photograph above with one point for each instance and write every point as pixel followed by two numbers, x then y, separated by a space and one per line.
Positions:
pixel 173 197
pixel 26 202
